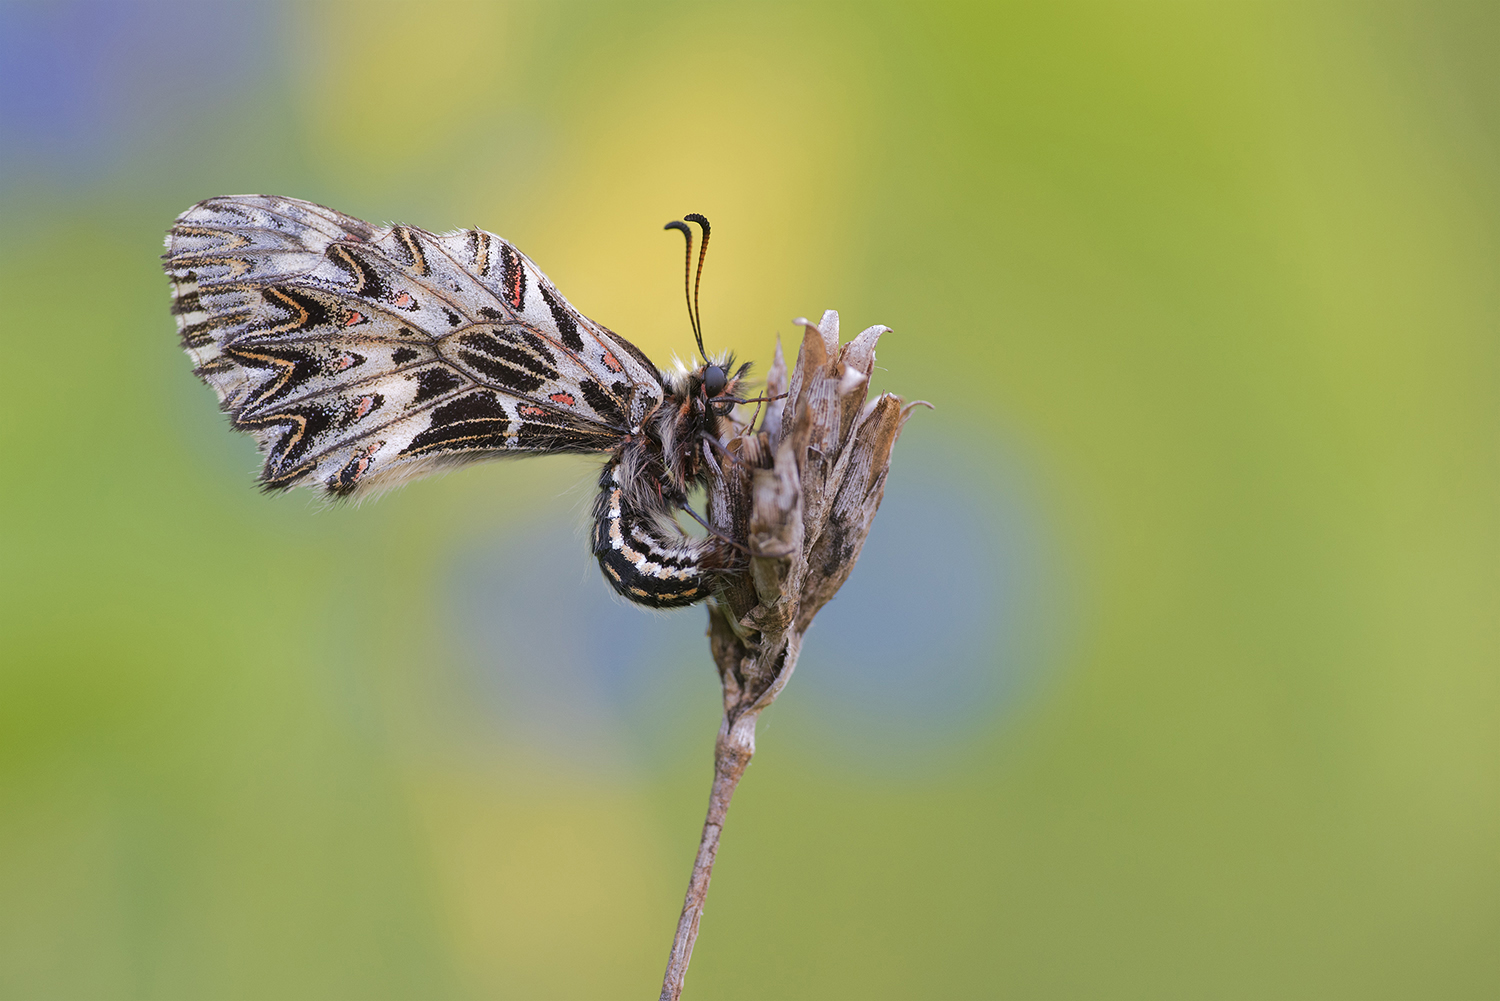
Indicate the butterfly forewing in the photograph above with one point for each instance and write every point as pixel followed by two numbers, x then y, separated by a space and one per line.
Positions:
pixel 362 356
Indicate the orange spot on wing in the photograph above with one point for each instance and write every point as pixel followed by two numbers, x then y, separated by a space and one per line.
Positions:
pixel 354 317
pixel 562 398
pixel 526 410
pixel 404 299
pixel 612 363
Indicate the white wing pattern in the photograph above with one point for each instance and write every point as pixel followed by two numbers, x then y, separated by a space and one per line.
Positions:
pixel 360 356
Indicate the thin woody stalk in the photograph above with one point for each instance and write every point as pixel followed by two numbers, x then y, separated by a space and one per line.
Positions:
pixel 732 755
pixel 799 494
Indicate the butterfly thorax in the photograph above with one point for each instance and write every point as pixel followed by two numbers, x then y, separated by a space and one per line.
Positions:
pixel 688 424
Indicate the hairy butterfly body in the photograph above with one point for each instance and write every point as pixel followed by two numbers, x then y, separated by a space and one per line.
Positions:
pixel 361 356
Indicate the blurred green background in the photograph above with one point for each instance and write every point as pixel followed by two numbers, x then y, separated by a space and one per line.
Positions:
pixel 1171 670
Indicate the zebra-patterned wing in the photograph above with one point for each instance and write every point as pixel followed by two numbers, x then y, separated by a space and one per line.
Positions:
pixel 361 356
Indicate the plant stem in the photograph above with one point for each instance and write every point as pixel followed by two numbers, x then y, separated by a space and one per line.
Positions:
pixel 732 753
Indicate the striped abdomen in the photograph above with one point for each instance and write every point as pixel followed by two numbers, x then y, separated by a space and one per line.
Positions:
pixel 661 569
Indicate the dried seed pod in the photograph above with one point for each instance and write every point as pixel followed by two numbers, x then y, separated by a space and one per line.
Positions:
pixel 800 498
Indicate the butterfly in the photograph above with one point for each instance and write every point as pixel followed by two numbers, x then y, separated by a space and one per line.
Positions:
pixel 360 357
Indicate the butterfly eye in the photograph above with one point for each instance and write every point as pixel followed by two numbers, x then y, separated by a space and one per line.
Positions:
pixel 714 380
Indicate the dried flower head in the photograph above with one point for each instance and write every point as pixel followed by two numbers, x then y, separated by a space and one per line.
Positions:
pixel 799 495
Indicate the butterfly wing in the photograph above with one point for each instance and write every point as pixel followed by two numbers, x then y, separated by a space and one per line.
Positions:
pixel 360 357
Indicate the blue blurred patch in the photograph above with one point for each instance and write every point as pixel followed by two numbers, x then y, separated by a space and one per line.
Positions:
pixel 945 620
pixel 561 663
pixel 938 629
pixel 83 82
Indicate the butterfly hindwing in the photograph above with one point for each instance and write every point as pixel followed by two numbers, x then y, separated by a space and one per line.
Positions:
pixel 361 356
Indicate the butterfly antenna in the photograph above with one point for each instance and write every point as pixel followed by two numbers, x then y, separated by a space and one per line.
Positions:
pixel 702 221
pixel 687 274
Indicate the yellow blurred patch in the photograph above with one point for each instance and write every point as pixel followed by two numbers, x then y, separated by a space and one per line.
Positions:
pixel 390 82
pixel 543 889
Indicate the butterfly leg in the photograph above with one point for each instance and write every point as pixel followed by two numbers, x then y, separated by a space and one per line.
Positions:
pixel 714 531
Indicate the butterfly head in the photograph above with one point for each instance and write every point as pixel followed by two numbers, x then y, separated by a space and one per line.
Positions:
pixel 715 379
pixel 713 386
